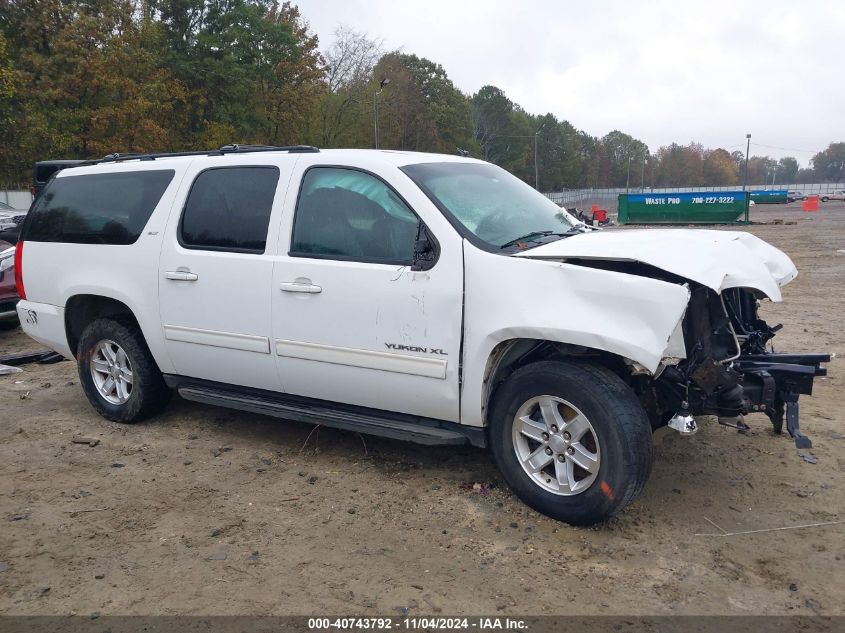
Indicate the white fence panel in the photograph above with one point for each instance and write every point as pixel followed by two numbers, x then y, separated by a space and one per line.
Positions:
pixel 16 199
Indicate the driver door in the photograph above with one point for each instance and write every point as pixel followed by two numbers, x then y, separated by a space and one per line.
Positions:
pixel 352 321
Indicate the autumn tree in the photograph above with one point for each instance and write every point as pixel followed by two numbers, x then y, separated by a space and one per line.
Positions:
pixel 761 170
pixel 92 85
pixel 12 134
pixel 720 168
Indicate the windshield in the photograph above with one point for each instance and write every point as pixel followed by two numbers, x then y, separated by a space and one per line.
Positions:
pixel 491 204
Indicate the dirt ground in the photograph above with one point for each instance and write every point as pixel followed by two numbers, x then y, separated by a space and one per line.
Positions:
pixel 209 511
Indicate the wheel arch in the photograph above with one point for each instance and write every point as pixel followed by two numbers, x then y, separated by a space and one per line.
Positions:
pixel 511 354
pixel 81 309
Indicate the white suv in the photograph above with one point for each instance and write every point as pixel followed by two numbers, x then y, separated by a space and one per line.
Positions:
pixel 425 297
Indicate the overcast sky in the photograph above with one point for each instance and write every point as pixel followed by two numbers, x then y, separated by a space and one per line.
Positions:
pixel 661 71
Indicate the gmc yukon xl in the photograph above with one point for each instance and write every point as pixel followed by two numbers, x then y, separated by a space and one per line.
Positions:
pixel 431 298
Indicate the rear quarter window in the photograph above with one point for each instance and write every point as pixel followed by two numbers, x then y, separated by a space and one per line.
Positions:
pixel 43 172
pixel 97 208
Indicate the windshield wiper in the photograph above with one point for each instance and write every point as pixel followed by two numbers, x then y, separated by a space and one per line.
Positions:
pixel 533 235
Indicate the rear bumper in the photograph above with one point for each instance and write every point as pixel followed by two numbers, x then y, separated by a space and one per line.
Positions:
pixel 46 324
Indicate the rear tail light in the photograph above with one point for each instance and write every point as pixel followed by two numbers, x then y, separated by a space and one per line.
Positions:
pixel 19 269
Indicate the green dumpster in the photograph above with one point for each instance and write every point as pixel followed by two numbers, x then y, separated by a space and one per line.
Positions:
pixel 711 207
pixel 769 196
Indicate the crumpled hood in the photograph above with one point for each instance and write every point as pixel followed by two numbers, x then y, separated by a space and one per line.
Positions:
pixel 716 259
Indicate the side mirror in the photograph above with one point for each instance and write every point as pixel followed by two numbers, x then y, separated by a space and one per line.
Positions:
pixel 424 251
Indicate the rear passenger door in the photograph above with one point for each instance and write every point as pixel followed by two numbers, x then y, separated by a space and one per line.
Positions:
pixel 215 273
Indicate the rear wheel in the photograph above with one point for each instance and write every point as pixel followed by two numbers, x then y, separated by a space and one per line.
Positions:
pixel 572 440
pixel 825 198
pixel 118 373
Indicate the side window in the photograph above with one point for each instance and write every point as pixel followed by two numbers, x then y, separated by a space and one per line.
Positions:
pixel 350 215
pixel 228 209
pixel 110 208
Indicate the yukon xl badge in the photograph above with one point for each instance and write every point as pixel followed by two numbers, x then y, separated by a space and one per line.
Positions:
pixel 414 348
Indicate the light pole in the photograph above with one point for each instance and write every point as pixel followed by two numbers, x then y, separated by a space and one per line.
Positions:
pixel 536 167
pixel 642 175
pixel 628 177
pixel 745 175
pixel 381 85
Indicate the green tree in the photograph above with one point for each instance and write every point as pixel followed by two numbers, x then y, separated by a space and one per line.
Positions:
pixel 829 164
pixel 251 68
pixel 421 108
pixel 787 169
pixel 621 153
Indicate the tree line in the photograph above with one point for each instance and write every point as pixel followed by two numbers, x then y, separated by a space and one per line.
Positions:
pixel 82 79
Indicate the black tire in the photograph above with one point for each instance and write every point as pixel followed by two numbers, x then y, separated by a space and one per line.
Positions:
pixel 825 199
pixel 620 423
pixel 149 394
pixel 9 325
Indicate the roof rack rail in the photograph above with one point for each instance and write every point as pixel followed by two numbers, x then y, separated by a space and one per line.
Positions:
pixel 232 148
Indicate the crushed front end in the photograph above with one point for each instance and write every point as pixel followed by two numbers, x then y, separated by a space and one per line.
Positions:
pixel 730 369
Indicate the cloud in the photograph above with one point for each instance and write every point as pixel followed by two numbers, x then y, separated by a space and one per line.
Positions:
pixel 662 71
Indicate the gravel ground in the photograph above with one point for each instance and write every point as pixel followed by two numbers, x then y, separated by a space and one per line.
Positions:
pixel 209 511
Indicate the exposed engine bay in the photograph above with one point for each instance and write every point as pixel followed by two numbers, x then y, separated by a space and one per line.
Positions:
pixel 731 369
pixel 726 364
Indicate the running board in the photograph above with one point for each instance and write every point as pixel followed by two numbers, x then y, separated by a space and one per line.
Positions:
pixel 372 422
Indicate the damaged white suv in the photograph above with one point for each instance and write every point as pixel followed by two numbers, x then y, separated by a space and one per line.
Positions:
pixel 424 297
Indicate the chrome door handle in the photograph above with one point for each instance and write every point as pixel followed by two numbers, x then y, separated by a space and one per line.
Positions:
pixel 180 275
pixel 299 286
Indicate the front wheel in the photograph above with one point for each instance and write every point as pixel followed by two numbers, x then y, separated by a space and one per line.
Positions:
pixel 571 439
pixel 825 199
pixel 117 372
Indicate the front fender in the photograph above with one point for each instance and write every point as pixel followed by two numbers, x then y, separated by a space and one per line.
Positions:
pixel 509 297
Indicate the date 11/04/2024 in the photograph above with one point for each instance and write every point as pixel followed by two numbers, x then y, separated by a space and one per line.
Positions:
pixel 417 623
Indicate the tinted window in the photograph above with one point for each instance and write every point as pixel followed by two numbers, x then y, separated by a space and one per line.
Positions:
pixel 347 214
pixel 43 172
pixel 97 208
pixel 229 209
